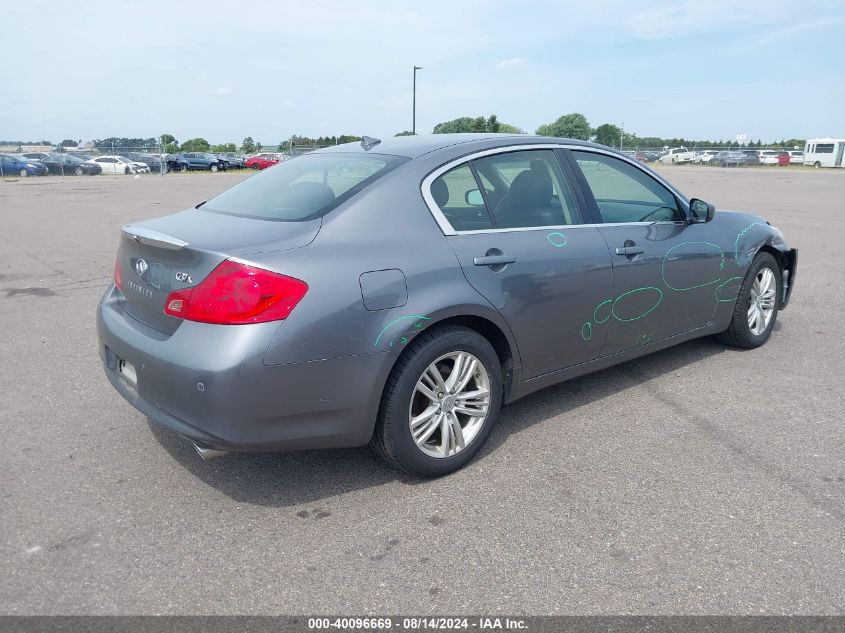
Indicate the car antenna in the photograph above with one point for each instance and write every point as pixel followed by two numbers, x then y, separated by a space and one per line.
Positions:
pixel 368 142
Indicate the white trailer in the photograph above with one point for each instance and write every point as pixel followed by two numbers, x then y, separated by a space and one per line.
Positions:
pixel 824 152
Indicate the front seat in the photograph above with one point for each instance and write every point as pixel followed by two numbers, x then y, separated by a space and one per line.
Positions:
pixel 527 203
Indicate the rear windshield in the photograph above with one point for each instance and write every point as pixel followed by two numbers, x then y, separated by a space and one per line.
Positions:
pixel 303 188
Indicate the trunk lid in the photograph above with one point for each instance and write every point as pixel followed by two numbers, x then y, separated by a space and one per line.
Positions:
pixel 159 256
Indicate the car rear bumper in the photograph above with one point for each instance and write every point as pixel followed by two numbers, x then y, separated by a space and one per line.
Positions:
pixel 210 384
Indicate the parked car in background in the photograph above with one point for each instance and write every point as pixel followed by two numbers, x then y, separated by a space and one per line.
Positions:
pixel 67 165
pixel 373 294
pixel 194 161
pixel 729 158
pixel 796 157
pixel 752 157
pixel 769 156
pixel 152 161
pixel 235 160
pixel 119 165
pixel 36 155
pixel 261 161
pixel 705 157
pixel 18 166
pixel 677 156
pixel 646 156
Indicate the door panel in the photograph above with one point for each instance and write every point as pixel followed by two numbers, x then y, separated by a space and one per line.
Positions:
pixel 544 294
pixel 666 271
pixel 664 281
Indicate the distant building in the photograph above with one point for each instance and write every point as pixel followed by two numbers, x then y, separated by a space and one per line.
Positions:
pixel 36 148
pixel 10 149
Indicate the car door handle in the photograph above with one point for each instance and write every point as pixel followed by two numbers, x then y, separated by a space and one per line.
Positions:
pixel 630 250
pixel 493 260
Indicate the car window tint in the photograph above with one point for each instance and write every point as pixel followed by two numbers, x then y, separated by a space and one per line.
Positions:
pixel 529 190
pixel 456 194
pixel 302 188
pixel 625 193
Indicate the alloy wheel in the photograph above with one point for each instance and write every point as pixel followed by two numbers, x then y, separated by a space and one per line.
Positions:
pixel 449 404
pixel 761 305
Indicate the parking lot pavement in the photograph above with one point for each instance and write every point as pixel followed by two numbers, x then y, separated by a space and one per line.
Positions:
pixel 696 480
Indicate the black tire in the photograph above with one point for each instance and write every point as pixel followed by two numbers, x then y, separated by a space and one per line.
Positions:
pixel 739 333
pixel 392 436
pixel 256 166
pixel 79 171
pixel 23 173
pixel 817 164
pixel 213 168
pixel 184 169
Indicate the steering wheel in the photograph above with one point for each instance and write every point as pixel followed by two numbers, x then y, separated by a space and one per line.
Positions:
pixel 648 215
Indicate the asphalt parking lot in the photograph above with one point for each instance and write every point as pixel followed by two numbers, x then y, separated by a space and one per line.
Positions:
pixel 696 480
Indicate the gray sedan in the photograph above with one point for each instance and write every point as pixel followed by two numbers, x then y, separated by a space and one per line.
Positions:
pixel 398 293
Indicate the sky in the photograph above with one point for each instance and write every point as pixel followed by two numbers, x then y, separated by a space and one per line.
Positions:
pixel 269 69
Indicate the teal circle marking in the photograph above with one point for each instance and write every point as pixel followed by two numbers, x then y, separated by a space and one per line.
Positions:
pixel 589 331
pixel 418 317
pixel 634 291
pixel 610 311
pixel 722 285
pixel 556 238
pixel 666 257
pixel 739 235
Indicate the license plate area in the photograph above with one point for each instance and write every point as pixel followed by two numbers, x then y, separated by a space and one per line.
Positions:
pixel 127 370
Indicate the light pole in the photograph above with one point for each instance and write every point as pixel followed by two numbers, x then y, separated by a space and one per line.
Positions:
pixel 414 109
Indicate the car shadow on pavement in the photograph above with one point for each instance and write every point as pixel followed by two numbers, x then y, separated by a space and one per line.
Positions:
pixel 302 477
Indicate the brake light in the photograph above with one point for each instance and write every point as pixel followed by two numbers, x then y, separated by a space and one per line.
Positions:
pixel 235 294
pixel 118 274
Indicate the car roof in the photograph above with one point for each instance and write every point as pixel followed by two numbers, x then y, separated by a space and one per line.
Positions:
pixel 415 146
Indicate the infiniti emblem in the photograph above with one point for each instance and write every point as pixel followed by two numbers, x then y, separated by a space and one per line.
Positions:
pixel 141 267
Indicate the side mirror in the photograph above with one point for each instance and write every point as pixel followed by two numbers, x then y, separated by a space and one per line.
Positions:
pixel 700 211
pixel 474 198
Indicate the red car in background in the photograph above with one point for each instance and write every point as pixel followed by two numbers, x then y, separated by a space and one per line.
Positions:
pixel 262 161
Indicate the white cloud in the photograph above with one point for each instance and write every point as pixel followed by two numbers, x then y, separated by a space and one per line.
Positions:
pixel 221 92
pixel 510 64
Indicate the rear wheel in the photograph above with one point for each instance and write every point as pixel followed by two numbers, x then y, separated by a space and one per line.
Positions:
pixel 79 171
pixel 757 305
pixel 440 402
pixel 184 169
pixel 214 168
pixel 256 166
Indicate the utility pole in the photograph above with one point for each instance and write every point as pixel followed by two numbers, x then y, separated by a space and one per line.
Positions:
pixel 414 108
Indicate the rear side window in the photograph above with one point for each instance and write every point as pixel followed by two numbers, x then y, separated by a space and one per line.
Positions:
pixel 520 189
pixel 303 188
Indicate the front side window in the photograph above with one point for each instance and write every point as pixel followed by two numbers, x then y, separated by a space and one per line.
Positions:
pixel 624 193
pixel 303 188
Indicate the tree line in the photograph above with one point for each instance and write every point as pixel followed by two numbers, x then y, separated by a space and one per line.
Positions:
pixel 575 125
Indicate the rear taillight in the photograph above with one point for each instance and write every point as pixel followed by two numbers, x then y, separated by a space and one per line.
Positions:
pixel 234 294
pixel 118 274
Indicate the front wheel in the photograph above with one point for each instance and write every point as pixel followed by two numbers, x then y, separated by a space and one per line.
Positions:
pixel 79 171
pixel 256 166
pixel 214 168
pixel 817 164
pixel 23 173
pixel 757 305
pixel 440 402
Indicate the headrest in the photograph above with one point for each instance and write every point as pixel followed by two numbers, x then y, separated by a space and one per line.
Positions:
pixel 440 192
pixel 309 196
pixel 531 188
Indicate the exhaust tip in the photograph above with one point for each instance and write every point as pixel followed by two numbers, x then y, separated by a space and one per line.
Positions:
pixel 207 453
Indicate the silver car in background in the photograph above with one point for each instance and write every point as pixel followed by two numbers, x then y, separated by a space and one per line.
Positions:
pixel 398 293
